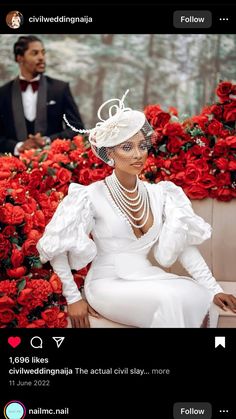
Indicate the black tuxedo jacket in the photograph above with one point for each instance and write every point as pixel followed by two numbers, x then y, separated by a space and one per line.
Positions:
pixel 54 100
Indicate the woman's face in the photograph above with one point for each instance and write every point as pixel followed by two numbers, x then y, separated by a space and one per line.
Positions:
pixel 130 156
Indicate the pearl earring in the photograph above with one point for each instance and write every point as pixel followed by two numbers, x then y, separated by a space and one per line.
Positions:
pixel 111 162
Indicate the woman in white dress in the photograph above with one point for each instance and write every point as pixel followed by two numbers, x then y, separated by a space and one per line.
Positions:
pixel 115 223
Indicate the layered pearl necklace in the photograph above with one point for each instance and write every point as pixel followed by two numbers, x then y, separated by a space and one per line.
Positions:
pixel 127 204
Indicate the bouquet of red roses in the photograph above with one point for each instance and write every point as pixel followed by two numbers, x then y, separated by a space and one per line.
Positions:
pixel 197 153
pixel 30 190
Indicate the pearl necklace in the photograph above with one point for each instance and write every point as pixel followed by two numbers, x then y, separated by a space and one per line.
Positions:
pixel 126 203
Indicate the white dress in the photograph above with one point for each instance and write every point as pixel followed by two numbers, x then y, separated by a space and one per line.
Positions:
pixel 122 284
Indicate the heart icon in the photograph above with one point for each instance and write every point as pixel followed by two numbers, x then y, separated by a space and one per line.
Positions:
pixel 14 341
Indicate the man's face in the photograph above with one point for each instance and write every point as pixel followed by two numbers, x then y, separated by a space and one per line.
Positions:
pixel 33 60
pixel 15 21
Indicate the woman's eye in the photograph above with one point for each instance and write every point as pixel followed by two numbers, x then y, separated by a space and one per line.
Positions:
pixel 126 147
pixel 143 146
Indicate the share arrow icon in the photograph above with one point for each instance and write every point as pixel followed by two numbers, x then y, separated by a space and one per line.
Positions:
pixel 58 340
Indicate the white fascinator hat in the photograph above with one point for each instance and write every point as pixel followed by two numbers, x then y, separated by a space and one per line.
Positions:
pixel 121 124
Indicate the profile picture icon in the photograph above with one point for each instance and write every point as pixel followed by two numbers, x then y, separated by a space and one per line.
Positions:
pixel 14 19
pixel 14 410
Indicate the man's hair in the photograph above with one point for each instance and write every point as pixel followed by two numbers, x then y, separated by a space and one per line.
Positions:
pixel 22 44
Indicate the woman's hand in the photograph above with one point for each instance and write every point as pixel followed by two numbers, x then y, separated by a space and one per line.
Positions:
pixel 78 313
pixel 225 301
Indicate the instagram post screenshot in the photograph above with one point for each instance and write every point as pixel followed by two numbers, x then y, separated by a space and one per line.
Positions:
pixel 117 211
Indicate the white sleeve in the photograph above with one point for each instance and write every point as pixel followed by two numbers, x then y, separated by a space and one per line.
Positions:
pixel 181 227
pixel 69 230
pixel 195 265
pixel 16 149
pixel 62 268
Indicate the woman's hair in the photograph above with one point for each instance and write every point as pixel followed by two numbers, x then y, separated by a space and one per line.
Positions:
pixel 22 44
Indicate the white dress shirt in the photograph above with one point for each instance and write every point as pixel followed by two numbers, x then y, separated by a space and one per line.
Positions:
pixel 29 101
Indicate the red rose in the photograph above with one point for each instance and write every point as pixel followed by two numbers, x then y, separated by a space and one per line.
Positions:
pixel 8 287
pixel 34 235
pixel 64 175
pixel 62 320
pixel 196 191
pixel 84 176
pixel 97 174
pixel 60 146
pixel 30 206
pixel 6 315
pixel 5 174
pixel 35 178
pixel 230 112
pixel 19 196
pixel 5 247
pixel 231 141
pixel 174 145
pixel 29 247
pixel 17 272
pixel 13 214
pixel 55 284
pixel 223 90
pixel 17 258
pixel 39 219
pixel 61 158
pixel 192 174
pixel 9 231
pixel 217 111
pixel 201 165
pixel 50 315
pixel 201 120
pixel 222 163
pixel 177 165
pixel 224 194
pixel 160 119
pixel 232 165
pixel 223 179
pixel 28 224
pixel 220 148
pixel 6 302
pixel 39 323
pixel 173 129
pixel 208 181
pixel 3 194
pixel 25 296
pixel 214 127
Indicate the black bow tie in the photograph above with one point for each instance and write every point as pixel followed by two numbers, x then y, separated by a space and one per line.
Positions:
pixel 24 84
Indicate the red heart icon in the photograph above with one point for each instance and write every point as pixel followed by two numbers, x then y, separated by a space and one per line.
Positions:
pixel 14 341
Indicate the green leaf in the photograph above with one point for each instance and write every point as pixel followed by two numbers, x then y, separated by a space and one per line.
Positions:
pixel 51 171
pixel 43 157
pixel 73 146
pixel 21 285
pixel 14 240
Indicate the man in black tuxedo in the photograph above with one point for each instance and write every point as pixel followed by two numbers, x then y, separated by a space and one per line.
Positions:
pixel 32 105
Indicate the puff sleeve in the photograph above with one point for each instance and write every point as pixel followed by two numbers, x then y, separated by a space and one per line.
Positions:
pixel 66 242
pixel 68 231
pixel 181 226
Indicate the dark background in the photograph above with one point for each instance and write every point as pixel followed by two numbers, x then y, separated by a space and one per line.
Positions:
pixel 119 17
pixel 199 371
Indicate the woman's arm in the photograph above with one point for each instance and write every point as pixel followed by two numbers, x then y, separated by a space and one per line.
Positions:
pixel 193 262
pixel 78 308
